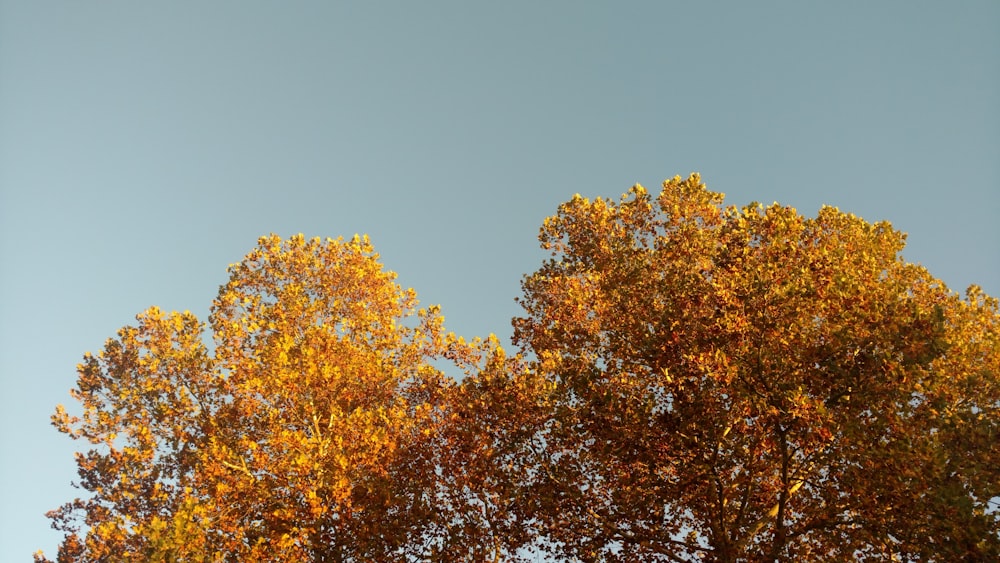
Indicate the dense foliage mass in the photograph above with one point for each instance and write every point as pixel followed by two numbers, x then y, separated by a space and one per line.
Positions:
pixel 695 382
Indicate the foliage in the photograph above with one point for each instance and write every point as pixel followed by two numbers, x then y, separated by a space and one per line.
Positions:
pixel 697 382
pixel 290 442
pixel 748 384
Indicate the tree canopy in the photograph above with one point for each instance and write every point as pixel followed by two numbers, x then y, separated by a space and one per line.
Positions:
pixel 692 382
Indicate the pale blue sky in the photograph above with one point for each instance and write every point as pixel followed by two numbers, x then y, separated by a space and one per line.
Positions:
pixel 145 146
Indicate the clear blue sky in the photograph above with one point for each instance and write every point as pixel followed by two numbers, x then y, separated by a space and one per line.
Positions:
pixel 145 146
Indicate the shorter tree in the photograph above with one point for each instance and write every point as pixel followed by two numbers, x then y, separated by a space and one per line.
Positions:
pixel 291 441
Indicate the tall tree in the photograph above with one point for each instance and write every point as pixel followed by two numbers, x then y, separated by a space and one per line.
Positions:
pixel 292 440
pixel 752 385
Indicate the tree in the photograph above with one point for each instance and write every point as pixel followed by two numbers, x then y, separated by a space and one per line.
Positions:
pixel 752 385
pixel 296 439
pixel 695 382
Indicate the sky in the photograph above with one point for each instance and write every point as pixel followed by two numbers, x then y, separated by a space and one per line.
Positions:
pixel 145 146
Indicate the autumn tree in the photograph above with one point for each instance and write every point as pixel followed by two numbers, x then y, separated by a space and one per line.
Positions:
pixel 301 435
pixel 695 382
pixel 752 385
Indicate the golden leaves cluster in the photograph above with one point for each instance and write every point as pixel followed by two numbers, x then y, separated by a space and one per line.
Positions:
pixel 304 433
pixel 695 382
